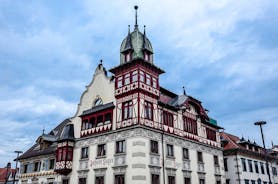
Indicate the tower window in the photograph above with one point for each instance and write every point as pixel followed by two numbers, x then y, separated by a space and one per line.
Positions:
pixel 211 134
pixel 148 110
pixel 127 110
pixel 135 76
pixel 216 160
pixel 142 76
pixel 127 57
pixel 127 79
pixel 148 79
pixel 120 82
pixel 154 83
pixel 185 153
pixel 147 56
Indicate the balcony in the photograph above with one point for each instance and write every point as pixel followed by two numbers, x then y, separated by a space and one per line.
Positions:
pixel 100 128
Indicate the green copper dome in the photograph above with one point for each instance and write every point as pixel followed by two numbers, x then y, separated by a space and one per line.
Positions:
pixel 136 45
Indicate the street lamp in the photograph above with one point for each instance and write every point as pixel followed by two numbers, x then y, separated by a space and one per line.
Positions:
pixel 18 152
pixel 261 123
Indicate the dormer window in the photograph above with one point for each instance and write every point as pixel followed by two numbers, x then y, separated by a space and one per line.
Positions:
pixel 128 57
pixel 147 56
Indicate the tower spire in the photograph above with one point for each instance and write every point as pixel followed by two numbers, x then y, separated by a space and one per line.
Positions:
pixel 136 25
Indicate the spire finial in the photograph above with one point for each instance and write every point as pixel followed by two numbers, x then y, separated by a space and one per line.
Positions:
pixel 136 8
pixel 144 29
pixel 43 130
pixel 101 61
pixel 128 29
pixel 184 93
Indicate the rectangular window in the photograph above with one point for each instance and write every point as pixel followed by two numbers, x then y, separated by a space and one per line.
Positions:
pixel 154 83
pixel 51 164
pixel 154 146
pixel 168 119
pixel 253 182
pixel 65 181
pixel 64 156
pixel 127 79
pixel 200 156
pixel 216 160
pixel 187 181
pixel 148 110
pixel 185 153
pixel 246 181
pixel 226 164
pixel 69 154
pixel 142 76
pixel 250 165
pixel 120 82
pixel 227 181
pixel 170 150
pixel 274 171
pixel 190 125
pixel 37 166
pixel 211 134
pixel 243 163
pixel 99 180
pixel 256 167
pixel 171 180
pixel 99 120
pixel 127 110
pixel 135 76
pixel 101 150
pixel 93 122
pixel 107 118
pixel 201 181
pixel 120 179
pixel 120 146
pixel 84 152
pixel 155 179
pixel 262 167
pixel 148 79
pixel 25 167
pixel 82 181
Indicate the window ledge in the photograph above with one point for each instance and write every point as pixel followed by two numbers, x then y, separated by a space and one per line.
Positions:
pixel 154 154
pixel 83 159
pixel 120 154
pixel 100 157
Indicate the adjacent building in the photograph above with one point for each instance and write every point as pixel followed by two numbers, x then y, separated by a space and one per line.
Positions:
pixel 129 129
pixel 245 161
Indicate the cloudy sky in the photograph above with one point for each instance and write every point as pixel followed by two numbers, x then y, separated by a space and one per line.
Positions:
pixel 224 52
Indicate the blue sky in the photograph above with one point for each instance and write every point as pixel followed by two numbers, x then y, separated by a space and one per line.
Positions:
pixel 224 52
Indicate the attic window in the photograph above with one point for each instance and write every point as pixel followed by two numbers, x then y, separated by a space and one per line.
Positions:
pixel 147 56
pixel 127 57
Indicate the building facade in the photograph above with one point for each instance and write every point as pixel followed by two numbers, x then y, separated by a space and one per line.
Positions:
pixel 129 129
pixel 245 162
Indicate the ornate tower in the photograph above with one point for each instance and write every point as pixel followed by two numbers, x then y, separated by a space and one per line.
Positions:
pixel 136 80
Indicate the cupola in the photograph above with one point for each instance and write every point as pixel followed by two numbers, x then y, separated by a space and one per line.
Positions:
pixel 136 45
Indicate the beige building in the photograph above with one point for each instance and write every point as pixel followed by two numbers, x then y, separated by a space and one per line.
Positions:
pixel 128 129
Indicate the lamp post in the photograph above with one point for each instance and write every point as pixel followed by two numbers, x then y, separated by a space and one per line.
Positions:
pixel 18 152
pixel 261 123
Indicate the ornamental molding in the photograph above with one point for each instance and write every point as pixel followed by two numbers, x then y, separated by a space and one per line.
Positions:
pixel 146 133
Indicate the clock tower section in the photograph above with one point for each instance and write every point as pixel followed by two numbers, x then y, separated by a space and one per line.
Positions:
pixel 136 82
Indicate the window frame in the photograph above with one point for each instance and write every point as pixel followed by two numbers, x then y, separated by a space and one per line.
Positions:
pixel 120 144
pixel 170 150
pixel 127 110
pixel 148 110
pixel 154 147
pixel 101 150
pixel 84 154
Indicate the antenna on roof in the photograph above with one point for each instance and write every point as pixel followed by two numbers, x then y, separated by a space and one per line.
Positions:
pixel 136 8
pixel 43 130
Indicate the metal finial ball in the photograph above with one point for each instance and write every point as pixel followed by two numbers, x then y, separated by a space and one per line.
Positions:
pixel 136 7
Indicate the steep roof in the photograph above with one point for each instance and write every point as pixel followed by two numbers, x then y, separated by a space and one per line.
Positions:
pixel 53 135
pixel 3 173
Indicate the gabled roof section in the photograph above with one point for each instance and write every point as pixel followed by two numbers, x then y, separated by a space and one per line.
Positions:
pixel 33 151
